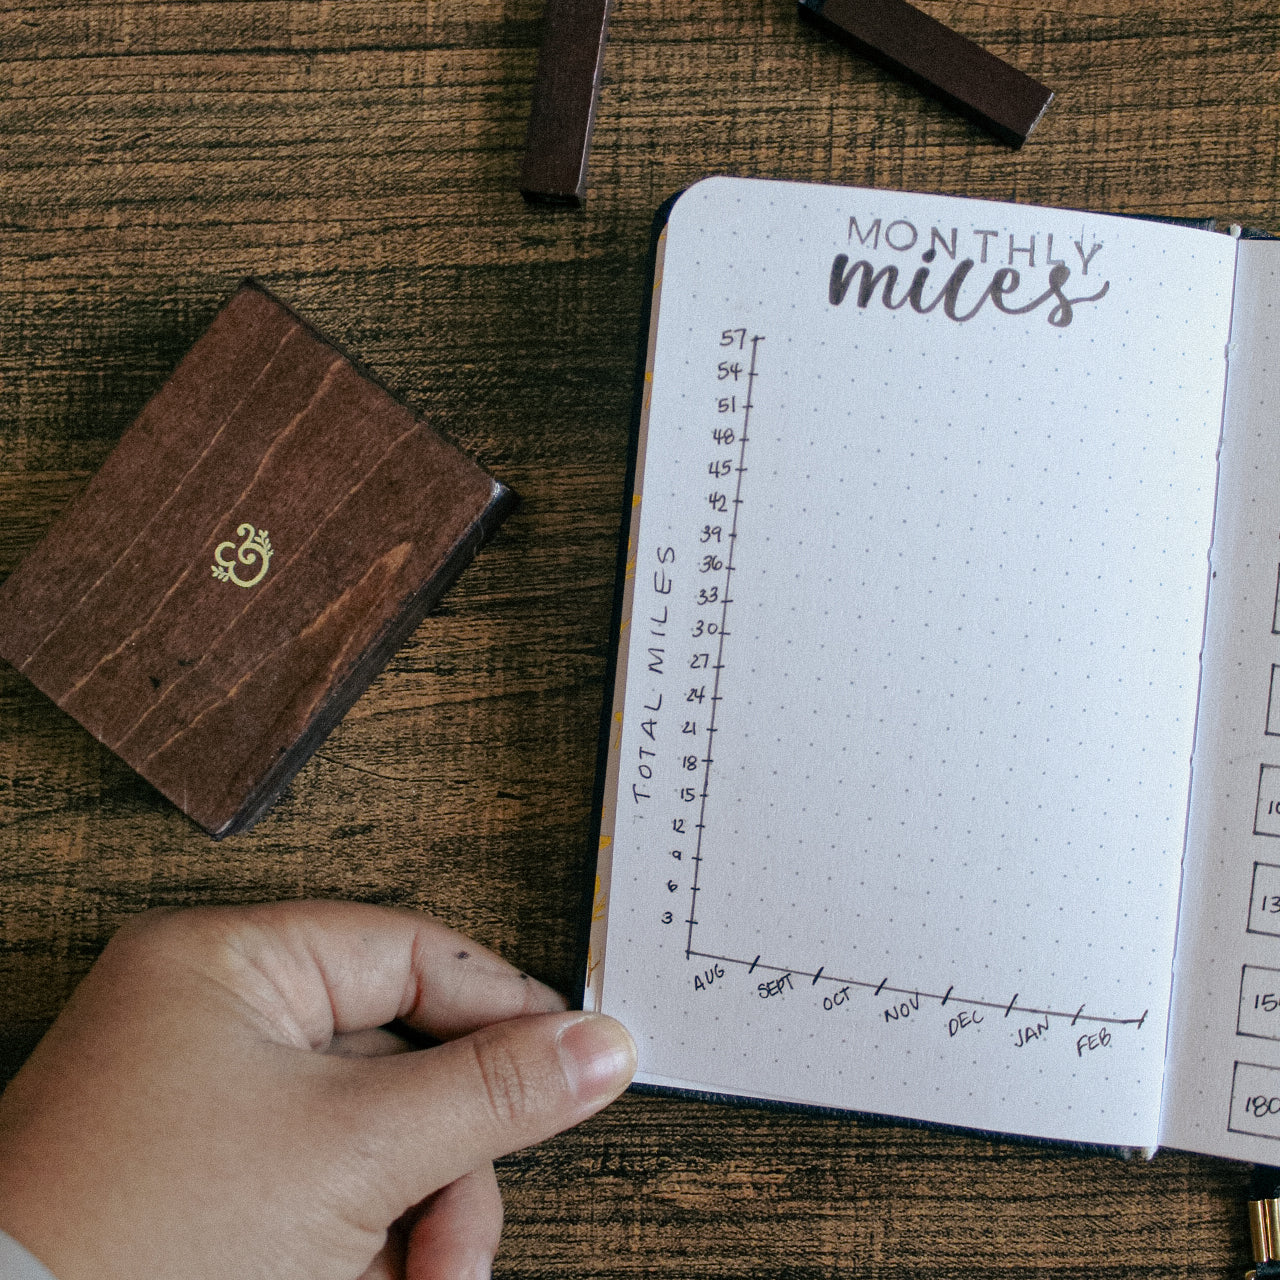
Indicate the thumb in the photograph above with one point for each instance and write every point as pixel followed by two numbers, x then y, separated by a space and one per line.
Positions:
pixel 437 1114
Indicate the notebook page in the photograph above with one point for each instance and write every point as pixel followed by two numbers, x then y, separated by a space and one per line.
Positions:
pixel 1223 1080
pixel 915 603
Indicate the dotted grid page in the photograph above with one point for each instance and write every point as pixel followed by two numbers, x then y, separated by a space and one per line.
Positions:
pixel 915 609
pixel 1222 1094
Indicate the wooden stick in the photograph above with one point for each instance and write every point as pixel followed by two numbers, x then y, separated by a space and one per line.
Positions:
pixel 938 60
pixel 554 169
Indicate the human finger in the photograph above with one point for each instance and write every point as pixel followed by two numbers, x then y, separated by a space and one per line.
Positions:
pixel 389 1261
pixel 495 1091
pixel 456 1235
pixel 313 970
pixel 376 1042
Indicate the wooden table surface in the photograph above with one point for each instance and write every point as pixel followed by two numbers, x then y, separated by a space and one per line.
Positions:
pixel 360 158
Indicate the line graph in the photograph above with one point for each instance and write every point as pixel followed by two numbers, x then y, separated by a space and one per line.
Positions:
pixel 884 985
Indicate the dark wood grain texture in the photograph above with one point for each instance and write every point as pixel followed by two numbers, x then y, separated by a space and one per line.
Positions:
pixel 363 162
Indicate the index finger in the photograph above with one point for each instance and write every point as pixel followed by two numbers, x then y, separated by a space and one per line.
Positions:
pixel 316 969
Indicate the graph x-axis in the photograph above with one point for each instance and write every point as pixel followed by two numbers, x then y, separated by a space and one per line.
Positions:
pixel 1006 1007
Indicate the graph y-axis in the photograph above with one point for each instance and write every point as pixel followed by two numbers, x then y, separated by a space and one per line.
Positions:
pixel 725 601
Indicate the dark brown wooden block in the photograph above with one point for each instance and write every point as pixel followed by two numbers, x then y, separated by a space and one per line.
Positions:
pixel 565 93
pixel 938 60
pixel 263 537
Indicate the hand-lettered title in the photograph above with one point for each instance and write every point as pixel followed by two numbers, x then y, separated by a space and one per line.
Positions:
pixel 1013 290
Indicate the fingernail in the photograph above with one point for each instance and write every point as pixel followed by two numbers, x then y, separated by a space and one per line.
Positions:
pixel 598 1057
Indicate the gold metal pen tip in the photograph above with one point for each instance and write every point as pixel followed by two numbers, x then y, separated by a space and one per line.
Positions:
pixel 1264 1229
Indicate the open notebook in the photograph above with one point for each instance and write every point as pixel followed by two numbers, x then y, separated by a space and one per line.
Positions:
pixel 936 502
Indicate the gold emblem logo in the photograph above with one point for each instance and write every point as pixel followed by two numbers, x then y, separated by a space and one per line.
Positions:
pixel 255 550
